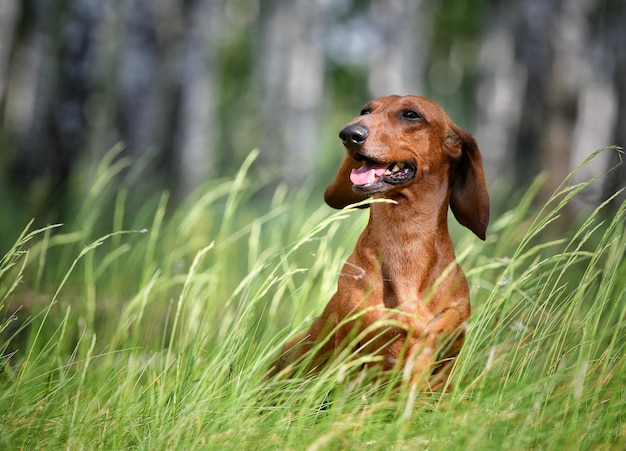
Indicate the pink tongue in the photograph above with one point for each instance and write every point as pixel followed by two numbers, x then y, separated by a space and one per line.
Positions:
pixel 366 174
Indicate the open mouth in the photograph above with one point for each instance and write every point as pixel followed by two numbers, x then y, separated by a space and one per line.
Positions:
pixel 375 177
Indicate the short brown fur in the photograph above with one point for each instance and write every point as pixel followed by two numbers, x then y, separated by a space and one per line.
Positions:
pixel 403 266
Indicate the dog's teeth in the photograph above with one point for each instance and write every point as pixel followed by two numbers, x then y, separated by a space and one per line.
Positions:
pixel 395 168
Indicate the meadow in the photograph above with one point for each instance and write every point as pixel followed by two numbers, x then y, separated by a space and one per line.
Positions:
pixel 152 327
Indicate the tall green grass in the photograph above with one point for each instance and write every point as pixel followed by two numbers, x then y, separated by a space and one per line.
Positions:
pixel 157 333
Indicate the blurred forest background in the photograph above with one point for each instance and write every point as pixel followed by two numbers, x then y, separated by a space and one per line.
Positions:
pixel 191 87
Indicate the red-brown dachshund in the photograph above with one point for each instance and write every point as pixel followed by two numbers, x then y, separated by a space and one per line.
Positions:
pixel 401 296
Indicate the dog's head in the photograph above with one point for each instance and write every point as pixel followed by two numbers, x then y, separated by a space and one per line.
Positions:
pixel 400 144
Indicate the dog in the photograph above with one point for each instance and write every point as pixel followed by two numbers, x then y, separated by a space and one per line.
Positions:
pixel 401 297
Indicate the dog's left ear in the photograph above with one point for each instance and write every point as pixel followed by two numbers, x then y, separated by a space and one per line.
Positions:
pixel 469 199
pixel 339 194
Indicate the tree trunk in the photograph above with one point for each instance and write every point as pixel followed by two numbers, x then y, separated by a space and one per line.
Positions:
pixel 197 122
pixel 292 78
pixel 396 66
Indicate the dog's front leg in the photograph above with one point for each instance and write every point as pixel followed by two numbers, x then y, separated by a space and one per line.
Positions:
pixel 322 335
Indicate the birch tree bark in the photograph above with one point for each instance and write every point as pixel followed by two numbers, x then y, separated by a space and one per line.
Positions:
pixel 396 66
pixel 611 58
pixel 195 139
pixel 292 78
pixel 546 92
pixel 52 77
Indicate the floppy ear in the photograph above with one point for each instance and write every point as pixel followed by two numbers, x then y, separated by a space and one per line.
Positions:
pixel 469 199
pixel 339 194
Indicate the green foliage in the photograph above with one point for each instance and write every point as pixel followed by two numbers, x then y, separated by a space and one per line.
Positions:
pixel 159 332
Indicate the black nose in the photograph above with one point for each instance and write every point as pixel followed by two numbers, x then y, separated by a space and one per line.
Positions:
pixel 354 135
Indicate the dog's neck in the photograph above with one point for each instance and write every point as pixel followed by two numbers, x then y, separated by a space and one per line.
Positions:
pixel 413 249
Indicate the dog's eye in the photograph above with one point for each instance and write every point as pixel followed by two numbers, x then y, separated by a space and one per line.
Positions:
pixel 365 111
pixel 411 115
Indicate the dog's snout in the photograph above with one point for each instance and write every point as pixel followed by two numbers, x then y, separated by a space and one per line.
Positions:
pixel 354 135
